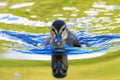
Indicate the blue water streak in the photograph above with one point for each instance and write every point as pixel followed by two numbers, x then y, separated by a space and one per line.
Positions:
pixel 99 42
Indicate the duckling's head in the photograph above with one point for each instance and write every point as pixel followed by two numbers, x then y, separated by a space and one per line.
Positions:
pixel 58 33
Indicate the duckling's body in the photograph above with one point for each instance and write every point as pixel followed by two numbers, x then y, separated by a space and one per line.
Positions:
pixel 60 35
pixel 72 40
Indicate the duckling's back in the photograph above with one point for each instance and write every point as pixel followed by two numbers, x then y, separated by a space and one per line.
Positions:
pixel 72 40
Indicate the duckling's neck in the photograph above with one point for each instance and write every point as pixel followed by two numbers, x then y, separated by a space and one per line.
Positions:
pixel 60 45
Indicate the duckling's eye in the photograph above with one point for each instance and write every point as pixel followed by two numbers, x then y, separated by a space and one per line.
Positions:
pixel 63 29
pixel 53 30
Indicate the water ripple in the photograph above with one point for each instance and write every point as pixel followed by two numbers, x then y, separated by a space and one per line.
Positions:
pixel 95 44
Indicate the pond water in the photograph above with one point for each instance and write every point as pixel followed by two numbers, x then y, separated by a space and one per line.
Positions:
pixel 32 45
pixel 96 43
pixel 25 4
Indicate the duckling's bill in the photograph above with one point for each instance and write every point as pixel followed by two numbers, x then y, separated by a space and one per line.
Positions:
pixel 58 39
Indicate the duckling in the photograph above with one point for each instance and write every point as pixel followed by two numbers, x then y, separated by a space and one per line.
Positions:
pixel 60 35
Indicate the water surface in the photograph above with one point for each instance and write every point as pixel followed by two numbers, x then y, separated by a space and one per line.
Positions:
pixel 32 45
pixel 94 32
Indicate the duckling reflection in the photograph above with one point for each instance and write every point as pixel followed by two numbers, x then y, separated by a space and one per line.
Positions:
pixel 60 35
pixel 59 63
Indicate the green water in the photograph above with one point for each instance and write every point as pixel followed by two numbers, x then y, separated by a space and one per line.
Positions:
pixel 105 67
